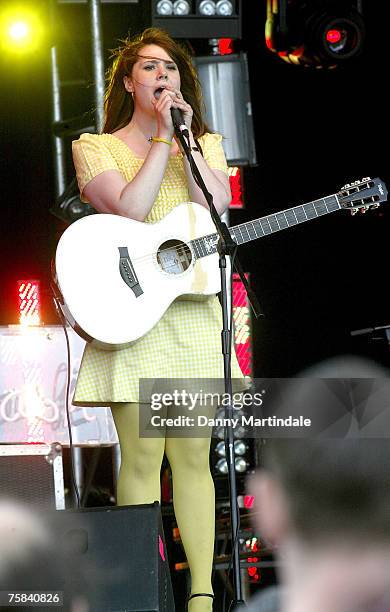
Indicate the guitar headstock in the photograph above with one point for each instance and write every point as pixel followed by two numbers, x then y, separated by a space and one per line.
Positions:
pixel 362 195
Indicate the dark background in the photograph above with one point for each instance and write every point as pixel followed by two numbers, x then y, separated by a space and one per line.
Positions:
pixel 315 130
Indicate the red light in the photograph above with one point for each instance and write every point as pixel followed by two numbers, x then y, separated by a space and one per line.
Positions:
pixel 225 46
pixel 29 302
pixel 236 187
pixel 333 36
pixel 242 327
pixel 249 501
pixel 252 571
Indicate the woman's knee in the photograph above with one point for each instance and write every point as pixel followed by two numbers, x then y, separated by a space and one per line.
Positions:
pixel 191 454
pixel 144 458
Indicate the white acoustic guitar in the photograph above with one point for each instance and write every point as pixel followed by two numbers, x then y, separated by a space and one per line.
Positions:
pixel 116 277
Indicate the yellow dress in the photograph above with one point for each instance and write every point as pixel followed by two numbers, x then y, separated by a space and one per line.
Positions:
pixel 186 342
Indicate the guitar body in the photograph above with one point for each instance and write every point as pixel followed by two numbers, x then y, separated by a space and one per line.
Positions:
pixel 111 299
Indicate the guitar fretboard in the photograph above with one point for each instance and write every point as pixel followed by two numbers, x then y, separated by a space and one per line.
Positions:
pixel 251 230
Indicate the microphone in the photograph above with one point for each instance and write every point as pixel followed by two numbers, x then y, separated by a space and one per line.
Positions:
pixel 178 121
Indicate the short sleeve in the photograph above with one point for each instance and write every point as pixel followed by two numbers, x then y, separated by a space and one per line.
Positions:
pixel 91 157
pixel 213 152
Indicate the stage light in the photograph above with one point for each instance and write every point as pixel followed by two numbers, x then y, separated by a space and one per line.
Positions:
pixel 238 432
pixel 240 464
pixel 207 7
pixel 225 46
pixel 242 326
pixel 249 501
pixel 321 33
pixel 29 302
pixel 333 36
pixel 224 7
pixel 220 449
pixel 221 466
pixel 237 200
pixel 202 19
pixel 164 7
pixel 21 30
pixel 240 448
pixel 181 7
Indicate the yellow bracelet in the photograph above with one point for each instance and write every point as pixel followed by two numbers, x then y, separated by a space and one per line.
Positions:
pixel 155 139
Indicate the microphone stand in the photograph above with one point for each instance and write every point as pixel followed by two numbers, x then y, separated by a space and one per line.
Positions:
pixel 226 247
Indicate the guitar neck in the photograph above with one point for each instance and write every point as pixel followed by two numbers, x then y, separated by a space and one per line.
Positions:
pixel 251 230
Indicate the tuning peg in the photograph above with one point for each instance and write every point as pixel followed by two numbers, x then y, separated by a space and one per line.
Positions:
pixel 364 209
pixel 356 183
pixel 353 211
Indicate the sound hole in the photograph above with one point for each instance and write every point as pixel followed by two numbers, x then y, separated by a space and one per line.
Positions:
pixel 174 256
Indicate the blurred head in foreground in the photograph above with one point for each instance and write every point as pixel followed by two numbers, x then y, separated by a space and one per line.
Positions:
pixel 32 560
pixel 325 505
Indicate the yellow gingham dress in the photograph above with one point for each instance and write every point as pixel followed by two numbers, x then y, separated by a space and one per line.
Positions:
pixel 186 342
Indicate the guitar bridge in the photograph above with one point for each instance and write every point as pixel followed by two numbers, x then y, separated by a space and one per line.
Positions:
pixel 127 272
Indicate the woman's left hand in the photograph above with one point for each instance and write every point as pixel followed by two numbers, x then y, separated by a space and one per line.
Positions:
pixel 181 104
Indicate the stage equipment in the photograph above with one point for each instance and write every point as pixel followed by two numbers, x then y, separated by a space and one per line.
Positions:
pixel 33 474
pixel 318 33
pixel 33 372
pixel 242 326
pixel 69 207
pixel 225 85
pixel 29 302
pixel 235 179
pixel 198 18
pixel 241 448
pixel 21 28
pixel 374 342
pixel 124 547
pixel 173 7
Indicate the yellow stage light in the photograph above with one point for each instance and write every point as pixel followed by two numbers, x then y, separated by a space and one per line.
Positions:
pixel 21 30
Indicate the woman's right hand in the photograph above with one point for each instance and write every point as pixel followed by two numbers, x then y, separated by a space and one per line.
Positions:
pixel 162 108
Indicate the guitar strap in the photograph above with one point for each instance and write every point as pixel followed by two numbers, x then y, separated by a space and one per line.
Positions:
pixel 199 147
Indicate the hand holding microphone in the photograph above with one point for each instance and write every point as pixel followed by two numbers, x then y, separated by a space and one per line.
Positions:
pixel 181 113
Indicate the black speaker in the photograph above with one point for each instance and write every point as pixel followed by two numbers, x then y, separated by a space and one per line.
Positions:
pixel 124 549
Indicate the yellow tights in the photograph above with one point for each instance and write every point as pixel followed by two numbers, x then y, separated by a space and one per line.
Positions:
pixel 193 490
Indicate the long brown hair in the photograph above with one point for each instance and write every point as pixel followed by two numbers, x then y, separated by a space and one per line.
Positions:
pixel 118 103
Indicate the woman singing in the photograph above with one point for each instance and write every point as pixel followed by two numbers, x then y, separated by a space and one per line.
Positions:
pixel 136 169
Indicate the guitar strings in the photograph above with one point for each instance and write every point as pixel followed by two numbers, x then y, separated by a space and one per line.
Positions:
pixel 147 258
pixel 181 249
pixel 237 228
